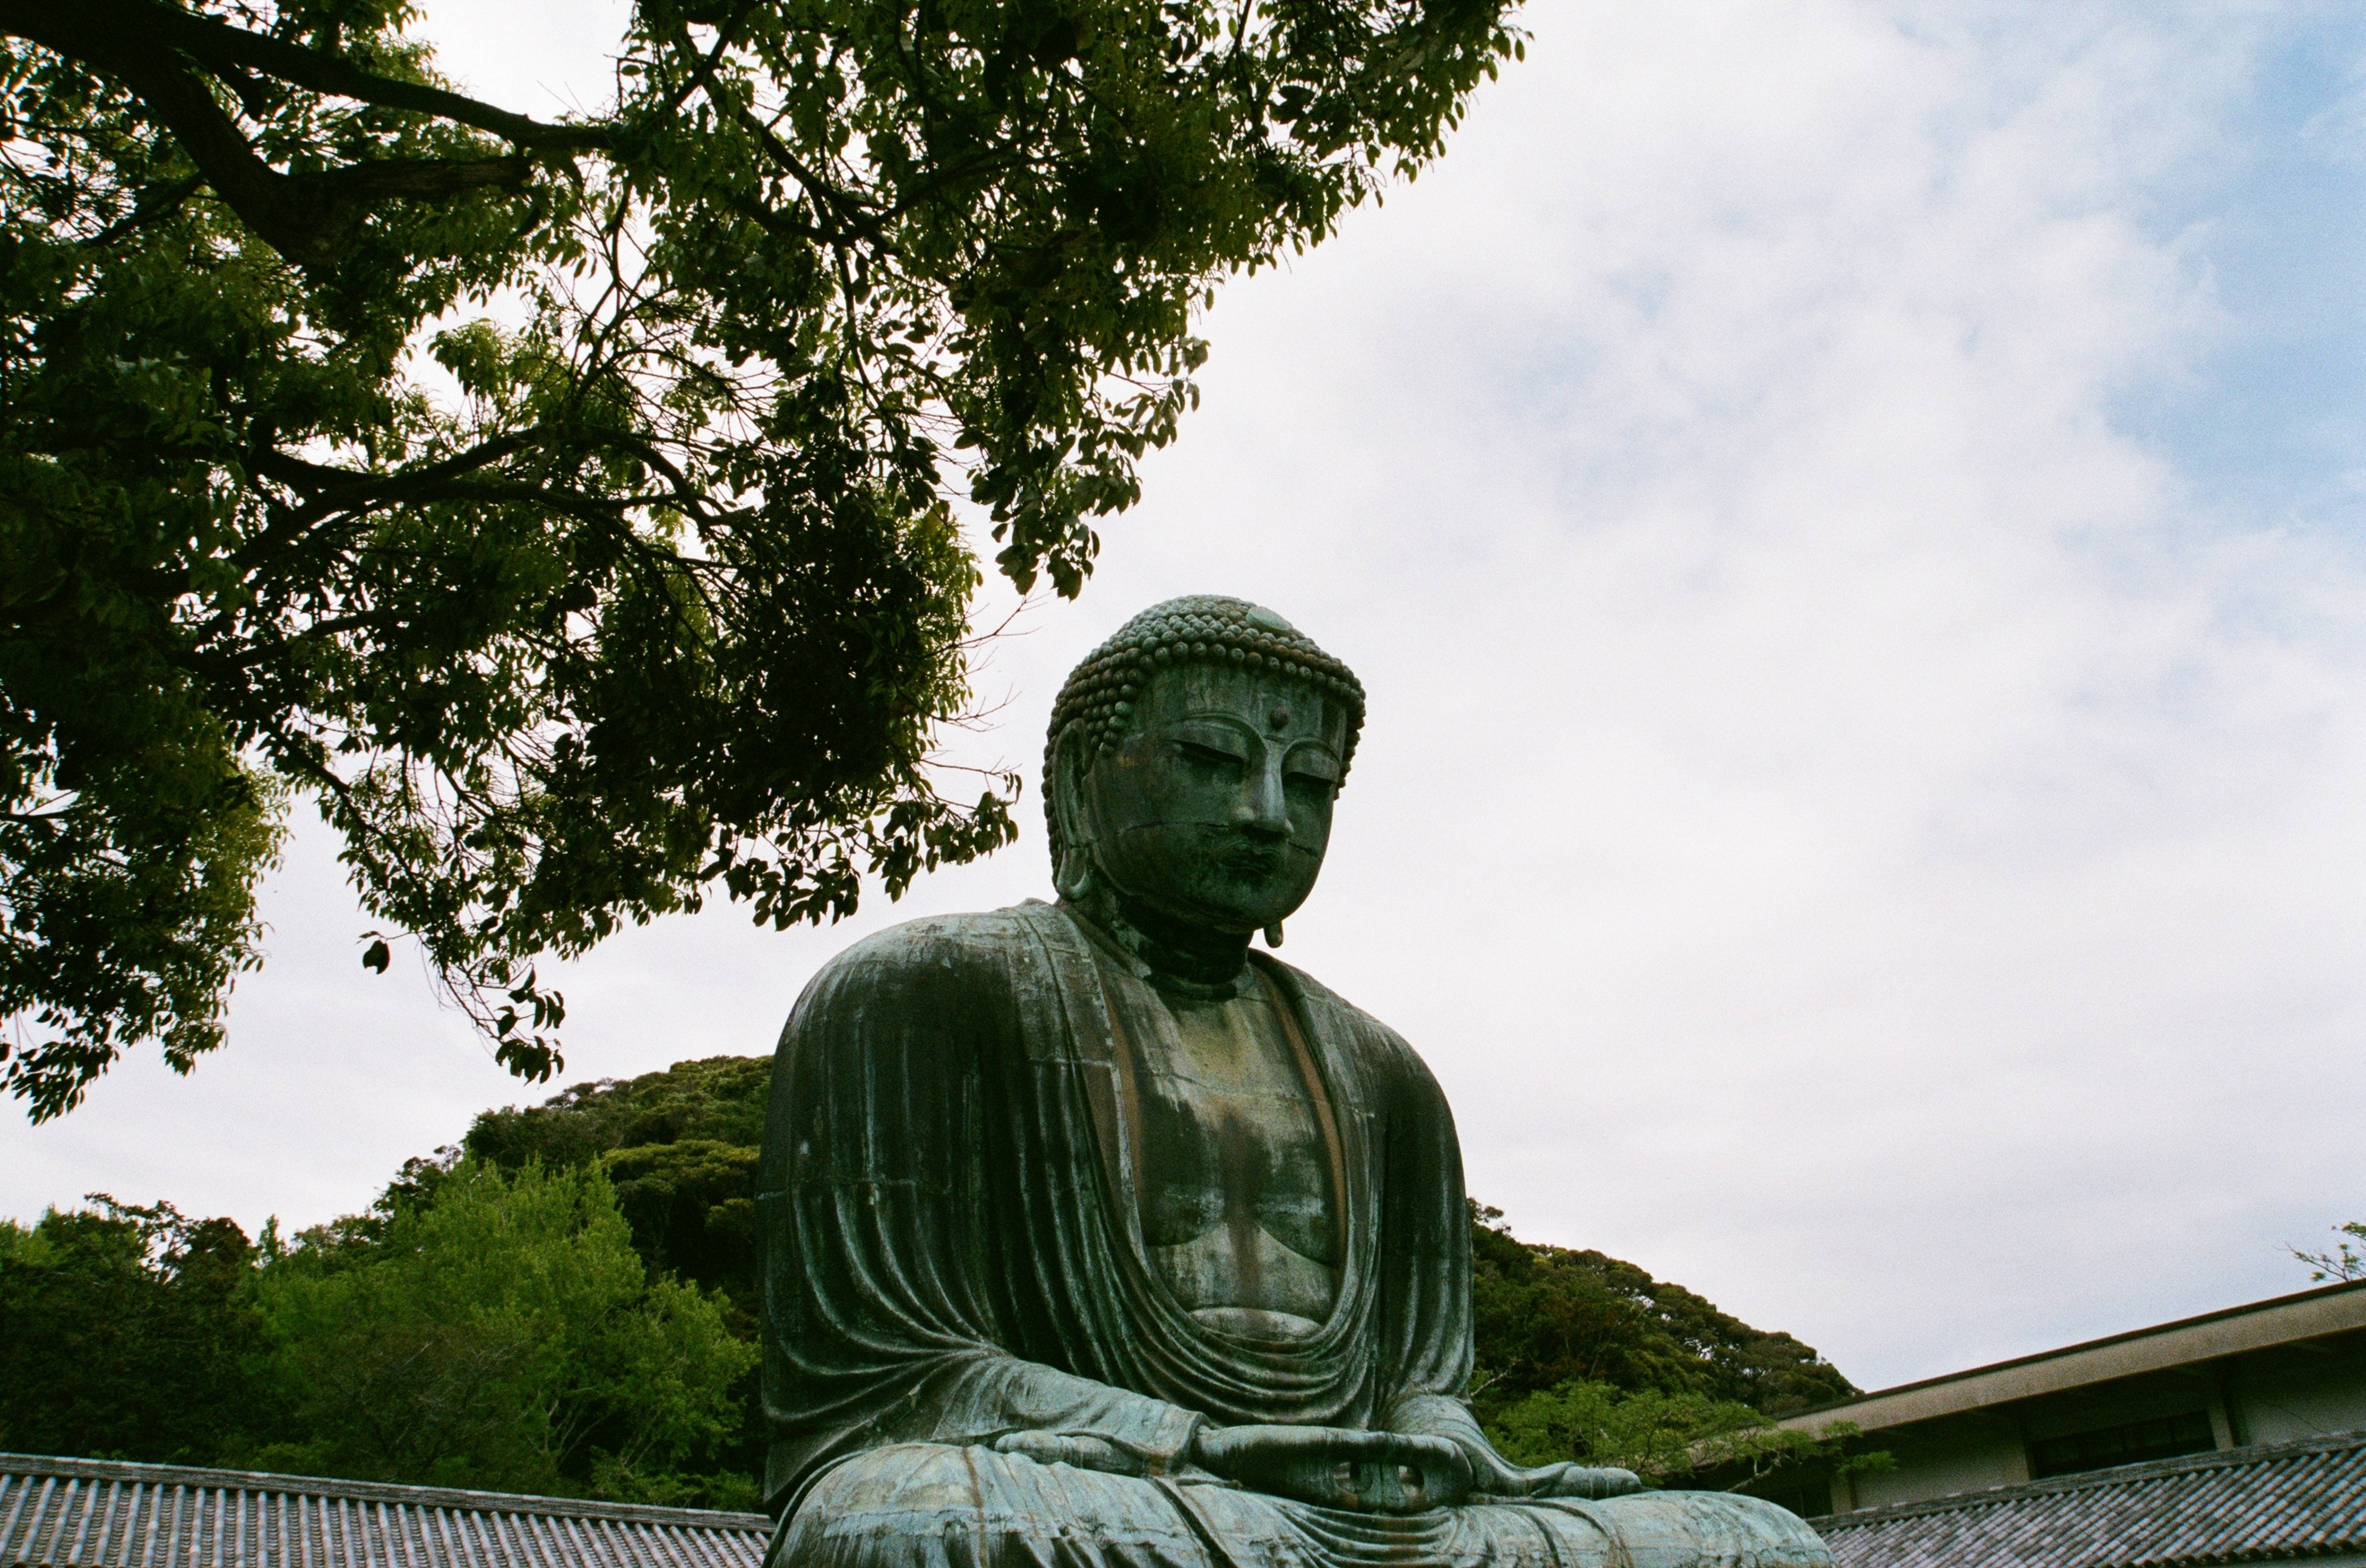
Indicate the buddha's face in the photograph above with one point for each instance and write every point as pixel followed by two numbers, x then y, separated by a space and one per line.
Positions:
pixel 1215 809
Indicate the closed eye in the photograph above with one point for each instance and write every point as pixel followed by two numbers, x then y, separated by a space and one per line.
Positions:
pixel 1310 767
pixel 1211 756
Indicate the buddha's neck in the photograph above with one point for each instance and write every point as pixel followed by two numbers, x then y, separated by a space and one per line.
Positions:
pixel 1179 955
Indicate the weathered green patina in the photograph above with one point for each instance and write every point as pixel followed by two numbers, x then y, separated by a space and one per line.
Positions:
pixel 1094 1235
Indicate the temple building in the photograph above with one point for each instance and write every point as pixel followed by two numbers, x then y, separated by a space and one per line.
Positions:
pixel 2236 1435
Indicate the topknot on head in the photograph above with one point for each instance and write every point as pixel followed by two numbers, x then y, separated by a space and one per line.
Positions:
pixel 1100 692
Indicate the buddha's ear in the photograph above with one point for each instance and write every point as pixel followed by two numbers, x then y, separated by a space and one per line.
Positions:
pixel 1071 766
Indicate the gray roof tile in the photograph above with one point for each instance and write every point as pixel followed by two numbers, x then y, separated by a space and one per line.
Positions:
pixel 2272 1502
pixel 80 1513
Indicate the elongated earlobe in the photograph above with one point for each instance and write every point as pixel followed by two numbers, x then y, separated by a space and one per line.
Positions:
pixel 1074 870
pixel 1273 935
pixel 1073 876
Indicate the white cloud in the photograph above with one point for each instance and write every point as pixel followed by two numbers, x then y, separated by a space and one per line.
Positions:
pixel 1852 834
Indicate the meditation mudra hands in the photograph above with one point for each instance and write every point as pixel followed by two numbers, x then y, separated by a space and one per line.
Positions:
pixel 1384 1472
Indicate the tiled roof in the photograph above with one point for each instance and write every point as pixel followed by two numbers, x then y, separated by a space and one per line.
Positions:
pixel 2271 1502
pixel 80 1513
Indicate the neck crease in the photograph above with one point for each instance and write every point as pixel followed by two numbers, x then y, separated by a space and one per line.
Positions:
pixel 1189 961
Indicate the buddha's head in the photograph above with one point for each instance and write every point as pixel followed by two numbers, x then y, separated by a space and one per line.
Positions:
pixel 1192 762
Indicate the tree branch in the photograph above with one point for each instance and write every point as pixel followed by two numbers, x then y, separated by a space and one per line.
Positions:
pixel 306 217
pixel 332 492
pixel 260 195
pixel 319 477
pixel 86 26
pixel 849 208
pixel 151 203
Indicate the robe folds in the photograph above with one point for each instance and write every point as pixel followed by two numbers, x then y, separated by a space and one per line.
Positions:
pixel 953 1254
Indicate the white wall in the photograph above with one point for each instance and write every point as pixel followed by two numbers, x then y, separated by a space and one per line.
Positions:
pixel 1976 1452
pixel 2302 1401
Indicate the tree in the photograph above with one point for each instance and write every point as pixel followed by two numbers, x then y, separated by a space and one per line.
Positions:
pixel 681 1147
pixel 125 1332
pixel 472 1328
pixel 567 508
pixel 1664 1437
pixel 1581 1356
pixel 1547 1317
pixel 505 1335
pixel 2344 1261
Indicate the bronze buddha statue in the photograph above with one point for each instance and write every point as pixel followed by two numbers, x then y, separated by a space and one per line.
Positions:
pixel 1094 1235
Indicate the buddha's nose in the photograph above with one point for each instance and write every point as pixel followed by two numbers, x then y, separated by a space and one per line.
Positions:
pixel 1264 809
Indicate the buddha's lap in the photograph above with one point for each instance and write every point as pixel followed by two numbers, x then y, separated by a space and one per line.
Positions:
pixel 930 1506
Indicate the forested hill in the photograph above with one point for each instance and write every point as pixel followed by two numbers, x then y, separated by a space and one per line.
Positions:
pixel 566 1302
pixel 681 1146
pixel 1549 1315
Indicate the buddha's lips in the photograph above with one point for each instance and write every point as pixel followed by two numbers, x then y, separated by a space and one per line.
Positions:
pixel 1250 859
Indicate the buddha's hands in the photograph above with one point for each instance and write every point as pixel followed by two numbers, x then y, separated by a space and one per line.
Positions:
pixel 1493 1475
pixel 1380 1473
pixel 1081 1449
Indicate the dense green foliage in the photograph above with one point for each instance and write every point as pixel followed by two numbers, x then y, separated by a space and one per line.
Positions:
pixel 473 1329
pixel 681 1148
pixel 568 1301
pixel 128 1332
pixel 504 1335
pixel 1548 1316
pixel 1583 1357
pixel 567 508
pixel 1665 1437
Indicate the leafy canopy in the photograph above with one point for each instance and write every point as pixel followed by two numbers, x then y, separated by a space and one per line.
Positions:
pixel 504 1335
pixel 1582 1356
pixel 1546 1317
pixel 1664 1437
pixel 127 1331
pixel 568 508
pixel 681 1147
pixel 473 1329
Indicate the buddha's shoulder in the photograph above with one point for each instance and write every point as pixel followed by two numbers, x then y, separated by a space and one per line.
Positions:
pixel 1316 997
pixel 978 961
pixel 1339 1018
pixel 935 951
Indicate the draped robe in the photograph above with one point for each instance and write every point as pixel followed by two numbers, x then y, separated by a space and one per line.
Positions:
pixel 953 1254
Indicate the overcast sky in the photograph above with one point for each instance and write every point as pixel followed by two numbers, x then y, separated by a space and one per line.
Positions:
pixel 1849 515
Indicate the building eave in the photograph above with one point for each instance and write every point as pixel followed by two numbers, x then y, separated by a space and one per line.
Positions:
pixel 2213 1336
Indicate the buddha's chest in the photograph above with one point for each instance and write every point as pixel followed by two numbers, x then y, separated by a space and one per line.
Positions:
pixel 1235 1170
